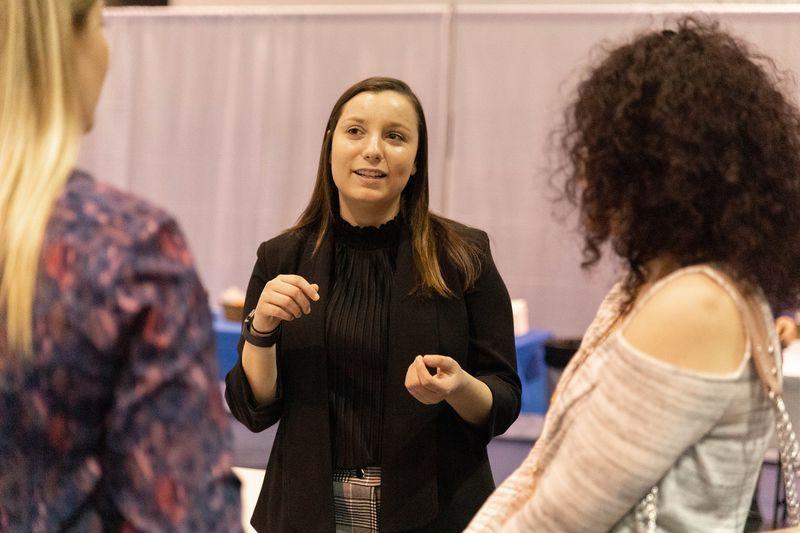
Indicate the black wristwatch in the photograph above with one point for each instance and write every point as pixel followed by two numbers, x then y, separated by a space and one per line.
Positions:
pixel 255 337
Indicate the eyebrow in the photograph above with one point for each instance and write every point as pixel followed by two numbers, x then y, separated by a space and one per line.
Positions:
pixel 390 125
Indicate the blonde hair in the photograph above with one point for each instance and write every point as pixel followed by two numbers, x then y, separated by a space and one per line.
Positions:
pixel 40 128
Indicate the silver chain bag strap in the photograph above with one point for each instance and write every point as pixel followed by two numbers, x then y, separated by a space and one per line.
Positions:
pixel 767 360
pixel 646 511
pixel 789 451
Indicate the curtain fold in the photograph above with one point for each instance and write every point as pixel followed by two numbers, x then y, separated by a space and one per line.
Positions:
pixel 217 114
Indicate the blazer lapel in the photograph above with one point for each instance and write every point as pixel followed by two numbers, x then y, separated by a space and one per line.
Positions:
pixel 408 484
pixel 309 330
pixel 309 471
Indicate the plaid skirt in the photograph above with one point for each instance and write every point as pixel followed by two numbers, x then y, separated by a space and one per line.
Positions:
pixel 357 499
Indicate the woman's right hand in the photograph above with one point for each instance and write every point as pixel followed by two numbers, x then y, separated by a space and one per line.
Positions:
pixel 787 330
pixel 285 297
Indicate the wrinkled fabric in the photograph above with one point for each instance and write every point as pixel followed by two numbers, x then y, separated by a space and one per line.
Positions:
pixel 114 422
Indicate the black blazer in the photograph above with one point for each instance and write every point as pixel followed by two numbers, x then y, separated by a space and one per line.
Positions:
pixel 435 470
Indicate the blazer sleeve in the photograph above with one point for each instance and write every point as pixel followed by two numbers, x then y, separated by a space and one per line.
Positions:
pixel 492 356
pixel 238 393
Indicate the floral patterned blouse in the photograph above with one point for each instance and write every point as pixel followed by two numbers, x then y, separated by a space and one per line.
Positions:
pixel 115 421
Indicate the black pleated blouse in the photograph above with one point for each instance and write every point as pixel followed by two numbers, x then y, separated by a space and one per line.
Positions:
pixel 357 337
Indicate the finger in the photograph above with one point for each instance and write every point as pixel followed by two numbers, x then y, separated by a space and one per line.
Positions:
pixel 275 311
pixel 311 290
pixel 424 376
pixel 447 364
pixel 411 376
pixel 415 388
pixel 425 397
pixel 295 293
pixel 284 302
pixel 421 394
pixel 788 334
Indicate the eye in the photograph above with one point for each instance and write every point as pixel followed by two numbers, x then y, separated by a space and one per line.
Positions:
pixel 353 130
pixel 394 136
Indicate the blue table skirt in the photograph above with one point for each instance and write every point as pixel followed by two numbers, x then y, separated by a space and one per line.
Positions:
pixel 530 361
pixel 227 334
pixel 533 371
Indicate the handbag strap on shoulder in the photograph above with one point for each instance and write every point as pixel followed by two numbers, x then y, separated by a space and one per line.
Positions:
pixel 764 348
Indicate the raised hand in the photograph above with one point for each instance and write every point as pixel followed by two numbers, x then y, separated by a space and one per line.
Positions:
pixel 286 297
pixel 433 388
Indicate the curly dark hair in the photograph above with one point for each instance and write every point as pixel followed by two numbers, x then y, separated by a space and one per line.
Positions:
pixel 682 144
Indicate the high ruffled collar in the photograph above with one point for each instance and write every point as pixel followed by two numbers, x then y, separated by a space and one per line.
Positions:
pixel 386 235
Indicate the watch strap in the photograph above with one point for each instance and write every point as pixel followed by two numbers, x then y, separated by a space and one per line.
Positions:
pixel 259 340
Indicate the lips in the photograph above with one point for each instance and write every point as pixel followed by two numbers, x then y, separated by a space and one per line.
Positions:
pixel 370 173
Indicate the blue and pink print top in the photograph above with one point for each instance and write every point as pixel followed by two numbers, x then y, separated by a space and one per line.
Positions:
pixel 115 421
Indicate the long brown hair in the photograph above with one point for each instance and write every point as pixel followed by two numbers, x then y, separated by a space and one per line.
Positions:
pixel 428 231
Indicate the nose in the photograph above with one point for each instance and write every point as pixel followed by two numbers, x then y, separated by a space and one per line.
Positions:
pixel 372 151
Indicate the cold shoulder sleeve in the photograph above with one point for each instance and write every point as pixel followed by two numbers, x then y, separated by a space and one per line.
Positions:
pixel 627 418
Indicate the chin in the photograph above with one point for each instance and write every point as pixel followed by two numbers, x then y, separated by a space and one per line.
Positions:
pixel 369 200
pixel 356 192
pixel 368 195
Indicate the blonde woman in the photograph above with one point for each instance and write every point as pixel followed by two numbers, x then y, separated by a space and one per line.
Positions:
pixel 110 415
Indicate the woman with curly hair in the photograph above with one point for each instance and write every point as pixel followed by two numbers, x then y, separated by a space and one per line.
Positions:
pixel 684 157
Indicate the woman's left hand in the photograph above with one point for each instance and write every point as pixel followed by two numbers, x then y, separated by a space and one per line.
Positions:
pixel 430 389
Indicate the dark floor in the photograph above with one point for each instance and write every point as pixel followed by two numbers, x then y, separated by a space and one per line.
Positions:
pixel 505 454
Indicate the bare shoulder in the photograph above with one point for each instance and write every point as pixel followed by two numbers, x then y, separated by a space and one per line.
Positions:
pixel 691 322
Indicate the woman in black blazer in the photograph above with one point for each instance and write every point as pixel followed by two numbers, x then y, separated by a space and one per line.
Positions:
pixel 379 336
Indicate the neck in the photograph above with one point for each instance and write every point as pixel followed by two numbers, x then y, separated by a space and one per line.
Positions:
pixel 658 267
pixel 368 215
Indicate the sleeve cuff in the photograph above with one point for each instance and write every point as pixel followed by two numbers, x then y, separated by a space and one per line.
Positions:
pixel 243 404
pixel 505 408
